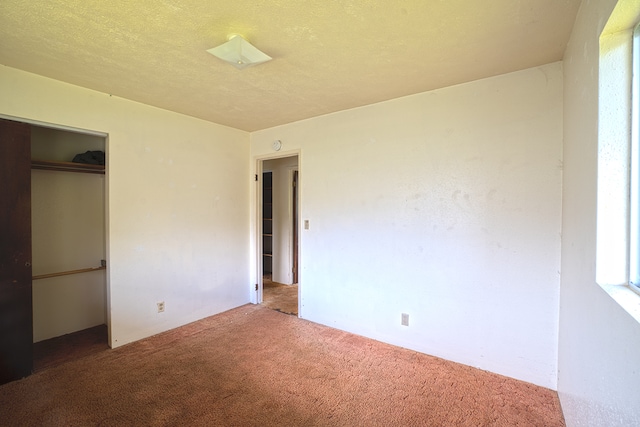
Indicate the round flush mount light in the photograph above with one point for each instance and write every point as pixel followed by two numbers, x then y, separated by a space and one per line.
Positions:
pixel 277 145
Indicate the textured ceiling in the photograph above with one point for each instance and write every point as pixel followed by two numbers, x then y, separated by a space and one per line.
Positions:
pixel 328 55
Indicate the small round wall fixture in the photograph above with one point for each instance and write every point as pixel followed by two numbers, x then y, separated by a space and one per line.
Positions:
pixel 277 145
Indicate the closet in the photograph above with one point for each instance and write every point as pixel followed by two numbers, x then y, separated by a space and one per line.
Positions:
pixel 52 268
pixel 267 224
pixel 68 233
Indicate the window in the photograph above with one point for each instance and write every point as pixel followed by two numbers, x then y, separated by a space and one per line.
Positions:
pixel 618 196
pixel 634 190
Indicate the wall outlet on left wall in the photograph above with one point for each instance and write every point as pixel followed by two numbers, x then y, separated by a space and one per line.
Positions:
pixel 160 306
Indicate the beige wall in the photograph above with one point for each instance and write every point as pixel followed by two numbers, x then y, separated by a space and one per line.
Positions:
pixel 177 206
pixel 443 205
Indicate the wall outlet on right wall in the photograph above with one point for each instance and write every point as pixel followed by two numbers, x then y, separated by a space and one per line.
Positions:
pixel 405 319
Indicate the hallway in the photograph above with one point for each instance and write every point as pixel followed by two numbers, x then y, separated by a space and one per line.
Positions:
pixel 280 297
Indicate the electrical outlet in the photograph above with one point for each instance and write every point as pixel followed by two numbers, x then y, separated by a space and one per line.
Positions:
pixel 405 319
pixel 160 306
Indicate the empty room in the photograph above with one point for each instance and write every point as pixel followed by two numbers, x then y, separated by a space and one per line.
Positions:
pixel 452 201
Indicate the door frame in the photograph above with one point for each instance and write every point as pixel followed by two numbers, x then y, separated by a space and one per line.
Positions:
pixel 257 288
pixel 106 199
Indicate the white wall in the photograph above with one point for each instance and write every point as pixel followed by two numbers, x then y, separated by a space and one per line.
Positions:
pixel 599 342
pixel 282 217
pixel 178 210
pixel 67 228
pixel 443 205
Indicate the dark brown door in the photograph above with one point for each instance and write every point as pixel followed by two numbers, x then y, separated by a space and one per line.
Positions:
pixel 16 318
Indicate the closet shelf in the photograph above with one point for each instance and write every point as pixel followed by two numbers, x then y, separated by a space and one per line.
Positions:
pixel 67 166
pixel 65 273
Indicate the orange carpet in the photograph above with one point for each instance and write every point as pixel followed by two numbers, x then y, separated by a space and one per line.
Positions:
pixel 280 297
pixel 252 366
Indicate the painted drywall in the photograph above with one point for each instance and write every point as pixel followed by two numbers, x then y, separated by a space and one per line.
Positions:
pixel 282 217
pixel 177 204
pixel 599 342
pixel 67 229
pixel 446 206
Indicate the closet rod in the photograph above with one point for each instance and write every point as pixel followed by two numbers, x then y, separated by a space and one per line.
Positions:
pixel 64 273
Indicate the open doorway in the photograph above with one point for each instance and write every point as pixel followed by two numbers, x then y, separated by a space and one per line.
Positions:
pixel 56 220
pixel 279 234
pixel 68 219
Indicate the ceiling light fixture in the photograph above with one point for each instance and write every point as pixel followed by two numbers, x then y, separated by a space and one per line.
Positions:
pixel 239 52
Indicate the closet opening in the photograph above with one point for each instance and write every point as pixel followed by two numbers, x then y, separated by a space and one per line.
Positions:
pixel 53 256
pixel 68 234
pixel 278 242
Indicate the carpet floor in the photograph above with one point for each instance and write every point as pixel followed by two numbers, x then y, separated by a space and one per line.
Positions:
pixel 280 297
pixel 55 351
pixel 252 366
